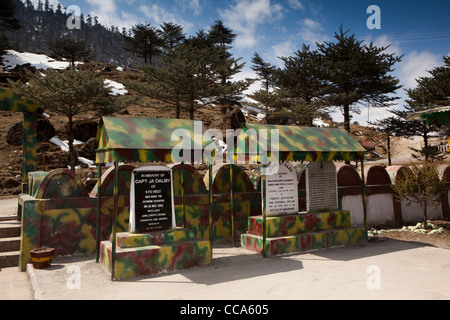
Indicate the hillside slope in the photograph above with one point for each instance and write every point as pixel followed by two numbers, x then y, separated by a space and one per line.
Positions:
pixel 218 116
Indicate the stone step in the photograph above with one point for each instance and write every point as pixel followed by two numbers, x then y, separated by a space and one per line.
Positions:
pixel 9 244
pixel 9 228
pixel 153 259
pixel 133 240
pixel 9 259
pixel 8 218
pixel 303 242
pixel 299 223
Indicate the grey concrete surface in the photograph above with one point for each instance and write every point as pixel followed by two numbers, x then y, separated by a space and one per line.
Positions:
pixel 382 269
pixel 387 269
pixel 8 206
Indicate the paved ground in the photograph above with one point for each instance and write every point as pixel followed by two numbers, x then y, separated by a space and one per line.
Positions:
pixel 14 285
pixel 387 269
pixel 8 206
pixel 380 269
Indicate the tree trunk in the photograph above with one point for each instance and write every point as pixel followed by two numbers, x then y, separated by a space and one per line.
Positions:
pixel 389 149
pixel 191 110
pixel 145 53
pixel 425 142
pixel 191 102
pixel 347 122
pixel 177 107
pixel 178 111
pixel 425 215
pixel 347 118
pixel 72 152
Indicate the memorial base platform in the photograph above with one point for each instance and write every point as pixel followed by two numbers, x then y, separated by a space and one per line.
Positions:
pixel 302 232
pixel 152 253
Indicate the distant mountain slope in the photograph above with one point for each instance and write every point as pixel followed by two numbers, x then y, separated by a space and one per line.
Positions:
pixel 39 26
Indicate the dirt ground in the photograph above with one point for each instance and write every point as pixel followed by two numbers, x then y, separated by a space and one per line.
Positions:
pixel 437 240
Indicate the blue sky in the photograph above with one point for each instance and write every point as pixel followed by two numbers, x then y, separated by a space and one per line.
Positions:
pixel 420 30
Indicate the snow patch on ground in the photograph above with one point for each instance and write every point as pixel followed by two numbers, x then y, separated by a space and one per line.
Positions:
pixel 116 87
pixel 64 144
pixel 13 58
pixel 319 123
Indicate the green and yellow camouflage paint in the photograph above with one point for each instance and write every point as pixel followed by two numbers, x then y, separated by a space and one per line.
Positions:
pixel 297 143
pixel 302 232
pixel 272 143
pixel 11 101
pixel 246 202
pixel 147 254
pixel 58 212
pixel 129 139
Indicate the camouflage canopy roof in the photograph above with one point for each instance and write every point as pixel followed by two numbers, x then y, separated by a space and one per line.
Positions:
pixel 439 116
pixel 298 143
pixel 146 139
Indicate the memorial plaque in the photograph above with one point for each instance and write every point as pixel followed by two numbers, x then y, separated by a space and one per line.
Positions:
pixel 321 186
pixel 151 200
pixel 281 190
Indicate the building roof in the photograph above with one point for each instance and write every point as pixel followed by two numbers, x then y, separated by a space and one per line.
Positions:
pixel 130 139
pixel 298 143
pixel 438 116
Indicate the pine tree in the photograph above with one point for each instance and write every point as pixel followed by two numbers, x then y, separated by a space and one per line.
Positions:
pixel 436 87
pixel 69 93
pixel 145 42
pixel 222 37
pixel 299 87
pixel 171 35
pixel 263 69
pixel 186 79
pixel 7 22
pixel 357 73
pixel 70 48
pixel 303 75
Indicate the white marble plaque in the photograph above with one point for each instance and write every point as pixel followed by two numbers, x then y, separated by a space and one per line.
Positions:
pixel 321 186
pixel 281 190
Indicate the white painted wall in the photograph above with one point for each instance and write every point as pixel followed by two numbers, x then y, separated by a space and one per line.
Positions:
pixel 414 212
pixel 380 209
pixel 354 204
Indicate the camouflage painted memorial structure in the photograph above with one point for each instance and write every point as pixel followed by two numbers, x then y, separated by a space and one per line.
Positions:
pixel 149 140
pixel 304 231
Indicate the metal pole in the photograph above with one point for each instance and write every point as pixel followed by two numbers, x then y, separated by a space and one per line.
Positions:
pixel 210 208
pixel 99 205
pixel 183 198
pixel 116 200
pixel 232 206
pixel 364 193
pixel 263 194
